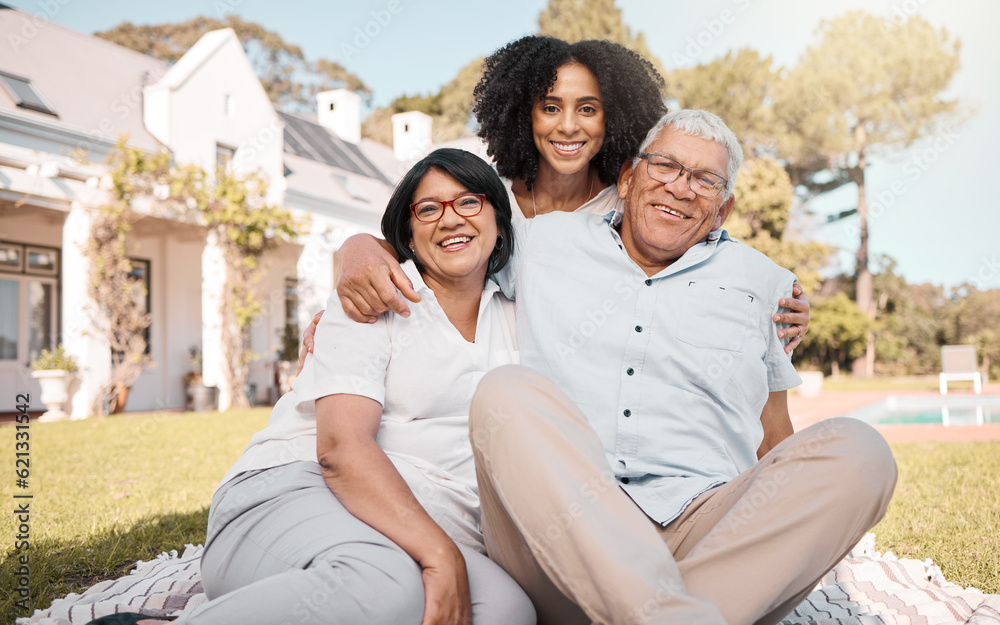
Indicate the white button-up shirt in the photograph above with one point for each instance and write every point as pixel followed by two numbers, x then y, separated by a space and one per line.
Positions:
pixel 671 371
pixel 424 373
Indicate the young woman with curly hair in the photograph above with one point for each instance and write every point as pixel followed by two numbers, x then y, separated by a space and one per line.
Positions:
pixel 559 119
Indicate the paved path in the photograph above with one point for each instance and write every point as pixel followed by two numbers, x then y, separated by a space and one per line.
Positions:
pixel 808 410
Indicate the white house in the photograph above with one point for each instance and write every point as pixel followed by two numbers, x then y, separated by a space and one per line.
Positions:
pixel 66 96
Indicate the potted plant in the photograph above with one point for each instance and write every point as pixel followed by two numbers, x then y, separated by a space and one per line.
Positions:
pixel 197 396
pixel 55 371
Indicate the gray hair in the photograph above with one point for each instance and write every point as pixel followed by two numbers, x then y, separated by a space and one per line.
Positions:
pixel 707 126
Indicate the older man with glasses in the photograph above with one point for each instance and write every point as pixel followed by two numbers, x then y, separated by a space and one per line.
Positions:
pixel 640 467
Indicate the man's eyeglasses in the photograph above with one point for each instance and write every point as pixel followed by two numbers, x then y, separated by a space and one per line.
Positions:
pixel 701 181
pixel 467 205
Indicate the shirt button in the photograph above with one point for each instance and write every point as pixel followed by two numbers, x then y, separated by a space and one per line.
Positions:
pixel 624 480
pixel 638 328
pixel 630 371
pixel 649 283
pixel 627 413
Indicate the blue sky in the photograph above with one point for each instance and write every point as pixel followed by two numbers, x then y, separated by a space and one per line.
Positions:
pixel 935 233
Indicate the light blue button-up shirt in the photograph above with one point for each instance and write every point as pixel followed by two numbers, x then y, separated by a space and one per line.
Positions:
pixel 671 371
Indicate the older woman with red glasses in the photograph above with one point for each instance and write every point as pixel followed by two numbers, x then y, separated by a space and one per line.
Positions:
pixel 358 503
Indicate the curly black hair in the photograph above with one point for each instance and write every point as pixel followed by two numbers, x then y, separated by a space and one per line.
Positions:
pixel 524 71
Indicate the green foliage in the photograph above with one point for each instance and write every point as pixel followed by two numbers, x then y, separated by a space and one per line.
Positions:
pixel 837 333
pixel 289 79
pixel 579 20
pixel 450 109
pixel 973 321
pixel 233 208
pixel 944 509
pixel 735 87
pixel 875 74
pixel 55 360
pixel 870 85
pixel 760 216
pixel 113 491
pixel 118 301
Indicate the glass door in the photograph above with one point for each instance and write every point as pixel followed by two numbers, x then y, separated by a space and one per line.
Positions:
pixel 28 324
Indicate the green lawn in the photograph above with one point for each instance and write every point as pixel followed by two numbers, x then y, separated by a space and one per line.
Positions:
pixel 108 492
pixel 913 382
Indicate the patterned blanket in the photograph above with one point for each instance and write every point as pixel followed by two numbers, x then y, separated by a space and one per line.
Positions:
pixel 866 588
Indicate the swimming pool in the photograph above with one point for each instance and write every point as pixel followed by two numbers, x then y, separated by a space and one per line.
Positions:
pixel 944 409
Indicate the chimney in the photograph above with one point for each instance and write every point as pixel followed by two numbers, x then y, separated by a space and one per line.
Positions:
pixel 340 111
pixel 411 135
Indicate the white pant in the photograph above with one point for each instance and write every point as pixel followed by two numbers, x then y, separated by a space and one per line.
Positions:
pixel 282 549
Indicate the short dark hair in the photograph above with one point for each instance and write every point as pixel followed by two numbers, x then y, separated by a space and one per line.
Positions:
pixel 470 171
pixel 522 72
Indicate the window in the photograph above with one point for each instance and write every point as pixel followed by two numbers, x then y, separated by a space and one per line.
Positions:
pixel 41 317
pixel 292 304
pixel 290 334
pixel 228 106
pixel 30 259
pixel 42 261
pixel 9 308
pixel 11 258
pixel 351 188
pixel 224 155
pixel 24 94
pixel 140 273
pixel 29 300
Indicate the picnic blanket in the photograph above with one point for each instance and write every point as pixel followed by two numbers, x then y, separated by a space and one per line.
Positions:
pixel 866 588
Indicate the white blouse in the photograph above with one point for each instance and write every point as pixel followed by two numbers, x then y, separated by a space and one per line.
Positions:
pixel 424 373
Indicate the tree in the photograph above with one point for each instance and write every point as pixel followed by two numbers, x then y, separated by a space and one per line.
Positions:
pixel 760 217
pixel 869 86
pixel 231 207
pixel 836 335
pixel 737 88
pixel 973 321
pixel 290 80
pixel 579 20
pixel 116 299
pixel 450 109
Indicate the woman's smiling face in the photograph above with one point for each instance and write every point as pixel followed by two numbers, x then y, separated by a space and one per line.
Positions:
pixel 453 248
pixel 568 122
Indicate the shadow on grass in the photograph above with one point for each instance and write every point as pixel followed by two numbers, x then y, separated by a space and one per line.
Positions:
pixel 57 568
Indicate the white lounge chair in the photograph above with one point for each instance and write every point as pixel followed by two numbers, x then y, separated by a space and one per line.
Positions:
pixel 958 362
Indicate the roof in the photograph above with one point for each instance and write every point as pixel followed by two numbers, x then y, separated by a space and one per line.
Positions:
pixel 70 71
pixel 196 56
pixel 306 138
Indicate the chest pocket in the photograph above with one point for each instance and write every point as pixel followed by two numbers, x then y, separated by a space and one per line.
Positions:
pixel 714 316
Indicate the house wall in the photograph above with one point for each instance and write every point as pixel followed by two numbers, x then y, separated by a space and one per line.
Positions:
pixel 175 301
pixel 222 102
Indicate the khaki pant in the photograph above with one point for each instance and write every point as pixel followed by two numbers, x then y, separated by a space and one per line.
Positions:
pixel 745 552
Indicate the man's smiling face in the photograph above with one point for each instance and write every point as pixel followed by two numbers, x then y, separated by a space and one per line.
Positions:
pixel 664 220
